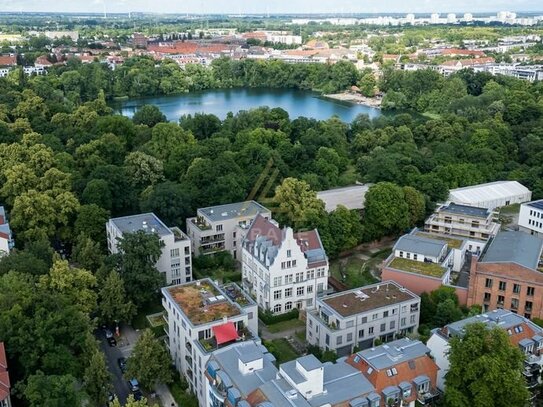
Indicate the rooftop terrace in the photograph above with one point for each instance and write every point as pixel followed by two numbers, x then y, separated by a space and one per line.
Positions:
pixel 147 222
pixel 202 302
pixel 417 267
pixel 367 298
pixel 452 243
pixel 232 211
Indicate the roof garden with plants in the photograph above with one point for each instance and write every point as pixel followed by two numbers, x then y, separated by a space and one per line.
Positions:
pixel 417 267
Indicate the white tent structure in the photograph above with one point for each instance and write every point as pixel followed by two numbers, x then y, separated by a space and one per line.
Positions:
pixel 491 195
pixel 352 197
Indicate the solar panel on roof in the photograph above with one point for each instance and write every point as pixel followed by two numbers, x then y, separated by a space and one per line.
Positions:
pixel 537 204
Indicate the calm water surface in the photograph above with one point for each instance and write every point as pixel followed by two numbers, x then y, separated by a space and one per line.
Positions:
pixel 219 102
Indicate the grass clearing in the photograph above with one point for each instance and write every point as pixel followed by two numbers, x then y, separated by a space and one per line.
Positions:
pixel 418 267
pixel 510 209
pixel 285 325
pixel 358 272
pixel 300 335
pixel 282 350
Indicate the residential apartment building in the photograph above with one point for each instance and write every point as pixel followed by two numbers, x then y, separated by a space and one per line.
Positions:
pixel 509 274
pixel 530 218
pixel 463 221
pixel 356 318
pixel 203 318
pixel 5 386
pixel 521 331
pixel 222 227
pixel 401 372
pixel 6 239
pixel 175 261
pixel 283 270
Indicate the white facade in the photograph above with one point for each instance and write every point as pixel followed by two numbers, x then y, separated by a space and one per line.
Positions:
pixel 358 317
pixel 531 218
pixel 6 239
pixel 175 261
pixel 491 195
pixel 222 227
pixel 282 270
pixel 193 310
pixel 439 347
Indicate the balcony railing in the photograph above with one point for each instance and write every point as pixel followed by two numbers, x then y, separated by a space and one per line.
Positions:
pixel 210 344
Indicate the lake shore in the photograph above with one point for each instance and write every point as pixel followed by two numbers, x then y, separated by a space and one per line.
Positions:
pixel 357 98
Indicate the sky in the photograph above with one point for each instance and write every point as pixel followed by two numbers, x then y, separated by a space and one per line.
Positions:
pixel 272 6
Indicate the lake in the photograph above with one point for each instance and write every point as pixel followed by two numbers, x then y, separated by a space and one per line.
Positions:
pixel 219 102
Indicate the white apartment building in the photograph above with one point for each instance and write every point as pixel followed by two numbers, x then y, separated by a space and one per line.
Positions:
pixel 463 221
pixel 175 261
pixel 530 218
pixel 6 239
pixel 222 227
pixel 357 317
pixel 203 318
pixel 283 270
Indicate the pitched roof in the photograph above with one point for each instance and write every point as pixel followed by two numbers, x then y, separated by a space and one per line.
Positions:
pixel 514 247
pixel 420 245
pixel 4 376
pixel 8 60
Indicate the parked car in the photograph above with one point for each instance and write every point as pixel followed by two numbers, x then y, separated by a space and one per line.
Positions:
pixel 122 364
pixel 112 341
pixel 109 333
pixel 137 395
pixel 133 385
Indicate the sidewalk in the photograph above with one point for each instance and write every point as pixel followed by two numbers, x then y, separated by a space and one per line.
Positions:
pixel 165 396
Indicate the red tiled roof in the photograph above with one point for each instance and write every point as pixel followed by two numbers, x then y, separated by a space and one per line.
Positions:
pixel 457 51
pixel 407 371
pixel 263 227
pixel 4 376
pixel 178 47
pixel 9 60
pixel 527 333
pixel 470 62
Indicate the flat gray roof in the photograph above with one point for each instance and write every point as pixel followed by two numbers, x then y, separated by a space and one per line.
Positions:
pixel 420 244
pixel 514 247
pixel 467 210
pixel 233 210
pixel 393 353
pixel 309 362
pixel 536 204
pixel 352 197
pixel 148 222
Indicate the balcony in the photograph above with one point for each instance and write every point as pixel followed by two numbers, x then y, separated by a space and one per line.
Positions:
pixel 212 239
pixel 189 360
pixel 210 344
pixel 200 223
pixel 178 234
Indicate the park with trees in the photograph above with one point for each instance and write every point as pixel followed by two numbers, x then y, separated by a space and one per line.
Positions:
pixel 68 164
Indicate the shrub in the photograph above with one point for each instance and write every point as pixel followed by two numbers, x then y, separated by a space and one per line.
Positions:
pixel 269 319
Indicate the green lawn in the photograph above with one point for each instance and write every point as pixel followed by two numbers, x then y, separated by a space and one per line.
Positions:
pixel 284 325
pixel 301 335
pixel 282 350
pixel 358 271
pixel 418 267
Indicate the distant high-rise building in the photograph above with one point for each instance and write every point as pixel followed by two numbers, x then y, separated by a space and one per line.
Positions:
pixel 451 18
pixel 410 18
pixel 434 18
pixel 468 17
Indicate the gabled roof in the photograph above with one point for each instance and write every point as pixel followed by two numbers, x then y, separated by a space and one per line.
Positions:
pixel 4 376
pixel 475 194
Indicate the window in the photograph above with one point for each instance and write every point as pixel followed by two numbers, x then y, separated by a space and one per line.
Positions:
pixel 310 302
pixel 277 294
pixel 415 257
pixel 327 339
pixel 288 279
pixel 277 281
pixel 502 286
pixel 300 291
pixel 349 337
pixel 385 314
pixel 514 303
pixel 277 308
pixel 370 330
pixel 408 255
pixel 412 319
pixel 174 252
pixel 288 292
pixel 530 291
pixel 488 283
pixel 403 321
pixel 404 308
pixel 361 333
pixel 501 300
pixel 487 297
pixel 219 228
pixel 374 317
pixel 289 253
pixel 516 288
pixel 309 289
pixel 288 305
pixel 310 274
pixel 364 320
pixel 383 327
pixel 392 324
pixel 349 324
pixel 234 235
pixel 401 254
pixel 528 306
pixel 339 340
pixel 299 277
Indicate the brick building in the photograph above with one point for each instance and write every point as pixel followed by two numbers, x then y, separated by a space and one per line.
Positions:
pixel 509 274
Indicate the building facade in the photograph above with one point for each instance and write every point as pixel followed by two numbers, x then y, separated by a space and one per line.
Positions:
pixel 521 331
pixel 203 318
pixel 175 261
pixel 356 318
pixel 220 228
pixel 462 220
pixel 5 386
pixel 531 218
pixel 6 238
pixel 283 270
pixel 508 274
pixel 401 372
